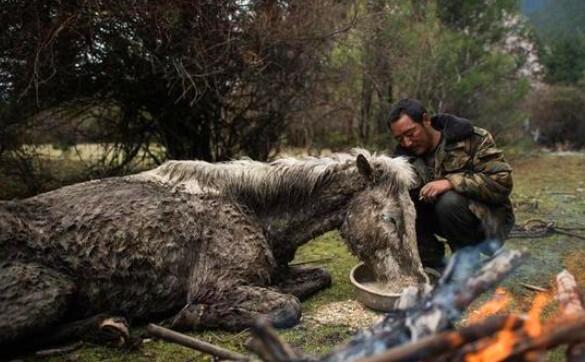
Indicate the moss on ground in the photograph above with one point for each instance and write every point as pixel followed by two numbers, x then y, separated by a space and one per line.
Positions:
pixel 546 186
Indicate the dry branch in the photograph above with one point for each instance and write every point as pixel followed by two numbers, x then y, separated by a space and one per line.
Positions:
pixel 184 340
pixel 269 346
pixel 58 351
pixel 533 287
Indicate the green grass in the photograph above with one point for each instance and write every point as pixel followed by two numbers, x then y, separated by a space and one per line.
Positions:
pixel 546 186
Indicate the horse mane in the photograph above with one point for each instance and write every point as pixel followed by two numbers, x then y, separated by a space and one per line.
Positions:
pixel 262 184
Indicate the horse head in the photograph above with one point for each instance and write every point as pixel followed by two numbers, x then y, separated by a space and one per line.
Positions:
pixel 379 226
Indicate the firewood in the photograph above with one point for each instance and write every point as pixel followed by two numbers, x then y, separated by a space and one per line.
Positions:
pixel 489 275
pixel 568 295
pixel 566 332
pixel 436 312
pixel 556 333
pixel 187 341
pixel 437 344
pixel 571 304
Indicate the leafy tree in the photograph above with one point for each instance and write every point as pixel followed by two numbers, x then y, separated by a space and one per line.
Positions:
pixel 565 61
pixel 560 26
pixel 450 57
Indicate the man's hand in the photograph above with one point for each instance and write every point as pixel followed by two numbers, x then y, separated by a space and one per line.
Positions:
pixel 434 189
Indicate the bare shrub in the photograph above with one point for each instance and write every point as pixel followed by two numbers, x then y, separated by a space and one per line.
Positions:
pixel 557 115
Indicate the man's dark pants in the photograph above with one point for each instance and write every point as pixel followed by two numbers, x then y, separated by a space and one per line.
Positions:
pixel 448 217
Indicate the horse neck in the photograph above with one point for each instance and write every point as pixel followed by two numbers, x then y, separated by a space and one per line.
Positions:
pixel 294 200
pixel 324 210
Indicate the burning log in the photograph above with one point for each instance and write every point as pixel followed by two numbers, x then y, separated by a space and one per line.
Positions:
pixel 509 344
pixel 532 340
pixel 417 332
pixel 434 345
pixel 438 310
pixel 571 331
pixel 463 281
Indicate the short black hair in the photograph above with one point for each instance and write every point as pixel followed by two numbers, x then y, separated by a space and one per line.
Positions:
pixel 409 106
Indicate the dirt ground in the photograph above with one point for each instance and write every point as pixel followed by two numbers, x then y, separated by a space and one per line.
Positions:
pixel 548 186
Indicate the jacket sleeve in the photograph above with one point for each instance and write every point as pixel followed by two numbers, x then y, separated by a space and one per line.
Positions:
pixel 490 179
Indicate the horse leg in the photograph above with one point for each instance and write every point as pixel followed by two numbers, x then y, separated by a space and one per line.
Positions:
pixel 303 282
pixel 228 287
pixel 34 301
pixel 238 307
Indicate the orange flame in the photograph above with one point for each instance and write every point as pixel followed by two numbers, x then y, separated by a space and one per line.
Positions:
pixel 533 326
pixel 501 347
pixel 502 344
pixel 498 302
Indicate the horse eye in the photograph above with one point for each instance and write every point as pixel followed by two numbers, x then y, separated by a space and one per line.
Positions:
pixel 388 218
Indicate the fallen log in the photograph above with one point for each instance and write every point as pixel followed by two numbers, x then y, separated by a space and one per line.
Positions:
pixel 187 341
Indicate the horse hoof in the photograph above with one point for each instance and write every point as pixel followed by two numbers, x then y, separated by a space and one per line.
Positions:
pixel 116 329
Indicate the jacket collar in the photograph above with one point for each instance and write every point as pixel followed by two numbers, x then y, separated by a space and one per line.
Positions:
pixel 453 128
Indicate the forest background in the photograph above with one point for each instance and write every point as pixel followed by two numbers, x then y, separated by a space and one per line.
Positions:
pixel 96 88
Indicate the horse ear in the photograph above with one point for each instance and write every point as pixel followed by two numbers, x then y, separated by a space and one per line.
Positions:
pixel 365 168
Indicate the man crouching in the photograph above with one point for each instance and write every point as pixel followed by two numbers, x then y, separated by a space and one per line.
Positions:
pixel 464 180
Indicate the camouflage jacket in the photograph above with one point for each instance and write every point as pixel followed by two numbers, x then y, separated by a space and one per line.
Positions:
pixel 467 156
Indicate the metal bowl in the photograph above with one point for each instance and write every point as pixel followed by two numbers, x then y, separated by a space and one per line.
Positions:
pixel 371 297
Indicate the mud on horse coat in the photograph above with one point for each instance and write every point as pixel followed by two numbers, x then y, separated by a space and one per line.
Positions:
pixel 207 243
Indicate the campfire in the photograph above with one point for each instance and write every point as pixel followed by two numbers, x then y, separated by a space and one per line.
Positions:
pixel 424 327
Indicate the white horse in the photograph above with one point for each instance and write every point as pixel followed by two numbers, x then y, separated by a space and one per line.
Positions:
pixel 208 243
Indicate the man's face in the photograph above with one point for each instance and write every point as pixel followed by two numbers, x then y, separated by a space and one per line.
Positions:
pixel 412 136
